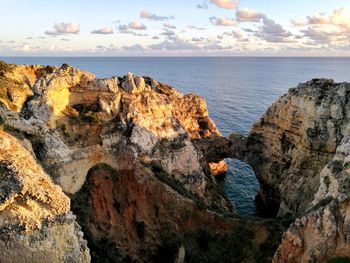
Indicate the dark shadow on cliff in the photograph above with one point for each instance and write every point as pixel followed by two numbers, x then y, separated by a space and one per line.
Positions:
pixel 138 216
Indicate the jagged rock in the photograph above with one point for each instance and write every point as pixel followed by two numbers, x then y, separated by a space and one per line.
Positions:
pixel 323 232
pixel 294 140
pixel 133 84
pixel 36 224
pixel 79 125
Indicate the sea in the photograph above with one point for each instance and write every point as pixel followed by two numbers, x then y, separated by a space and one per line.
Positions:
pixel 238 90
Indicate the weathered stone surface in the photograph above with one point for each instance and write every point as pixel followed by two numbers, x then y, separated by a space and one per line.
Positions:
pixel 323 232
pixel 294 140
pixel 76 121
pixel 36 224
pixel 77 125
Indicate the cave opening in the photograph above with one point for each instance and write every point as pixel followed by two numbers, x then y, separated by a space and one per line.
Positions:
pixel 241 187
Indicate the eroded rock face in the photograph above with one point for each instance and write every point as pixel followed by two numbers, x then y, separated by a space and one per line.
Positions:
pixel 36 224
pixel 294 140
pixel 323 232
pixel 76 121
pixel 76 125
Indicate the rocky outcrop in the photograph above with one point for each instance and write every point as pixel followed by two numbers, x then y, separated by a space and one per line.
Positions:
pixel 294 140
pixel 300 152
pixel 323 232
pixel 122 149
pixel 36 224
pixel 137 159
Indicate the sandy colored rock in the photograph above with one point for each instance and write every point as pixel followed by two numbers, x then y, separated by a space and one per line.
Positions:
pixel 136 127
pixel 35 220
pixel 323 232
pixel 294 140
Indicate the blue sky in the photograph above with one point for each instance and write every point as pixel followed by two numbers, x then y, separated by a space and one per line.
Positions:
pixel 182 27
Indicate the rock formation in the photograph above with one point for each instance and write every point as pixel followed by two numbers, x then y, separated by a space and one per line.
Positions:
pixel 123 150
pixel 294 140
pixel 137 160
pixel 323 232
pixel 299 151
pixel 36 224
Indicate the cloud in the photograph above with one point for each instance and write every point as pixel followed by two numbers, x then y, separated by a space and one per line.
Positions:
pixel 237 34
pixel 339 17
pixel 128 29
pixel 198 39
pixel 273 32
pixel 226 4
pixel 204 5
pixel 248 15
pixel 64 29
pixel 100 48
pixel 222 21
pixel 298 22
pixel 103 31
pixel 327 29
pixel 150 16
pixel 195 27
pixel 176 43
pixel 137 25
pixel 326 35
pixel 136 47
pixel 168 33
pixel 168 25
pixel 216 46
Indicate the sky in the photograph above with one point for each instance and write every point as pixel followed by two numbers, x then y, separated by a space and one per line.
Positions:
pixel 175 28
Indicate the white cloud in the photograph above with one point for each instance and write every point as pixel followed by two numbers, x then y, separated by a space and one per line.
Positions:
pixel 64 29
pixel 248 15
pixel 226 4
pixel 222 21
pixel 148 15
pixel 327 29
pixel 137 25
pixel 103 31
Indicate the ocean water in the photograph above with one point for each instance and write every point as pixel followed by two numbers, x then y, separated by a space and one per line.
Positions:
pixel 238 90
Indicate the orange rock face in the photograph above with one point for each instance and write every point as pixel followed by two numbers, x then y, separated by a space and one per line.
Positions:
pixel 141 130
pixel 219 168
pixel 35 209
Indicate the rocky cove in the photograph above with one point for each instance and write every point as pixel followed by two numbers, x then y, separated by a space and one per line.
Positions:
pixel 123 170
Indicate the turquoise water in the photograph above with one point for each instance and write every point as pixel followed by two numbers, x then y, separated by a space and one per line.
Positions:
pixel 238 90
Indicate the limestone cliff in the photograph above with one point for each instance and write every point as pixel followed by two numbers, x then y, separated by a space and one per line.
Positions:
pixel 122 149
pixel 294 140
pixel 36 224
pixel 322 233
pixel 300 153
pixel 136 158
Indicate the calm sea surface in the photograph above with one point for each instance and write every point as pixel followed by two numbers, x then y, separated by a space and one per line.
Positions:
pixel 237 90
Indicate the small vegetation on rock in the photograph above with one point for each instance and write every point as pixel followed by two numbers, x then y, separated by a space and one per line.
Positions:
pixel 339 260
pixel 4 67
